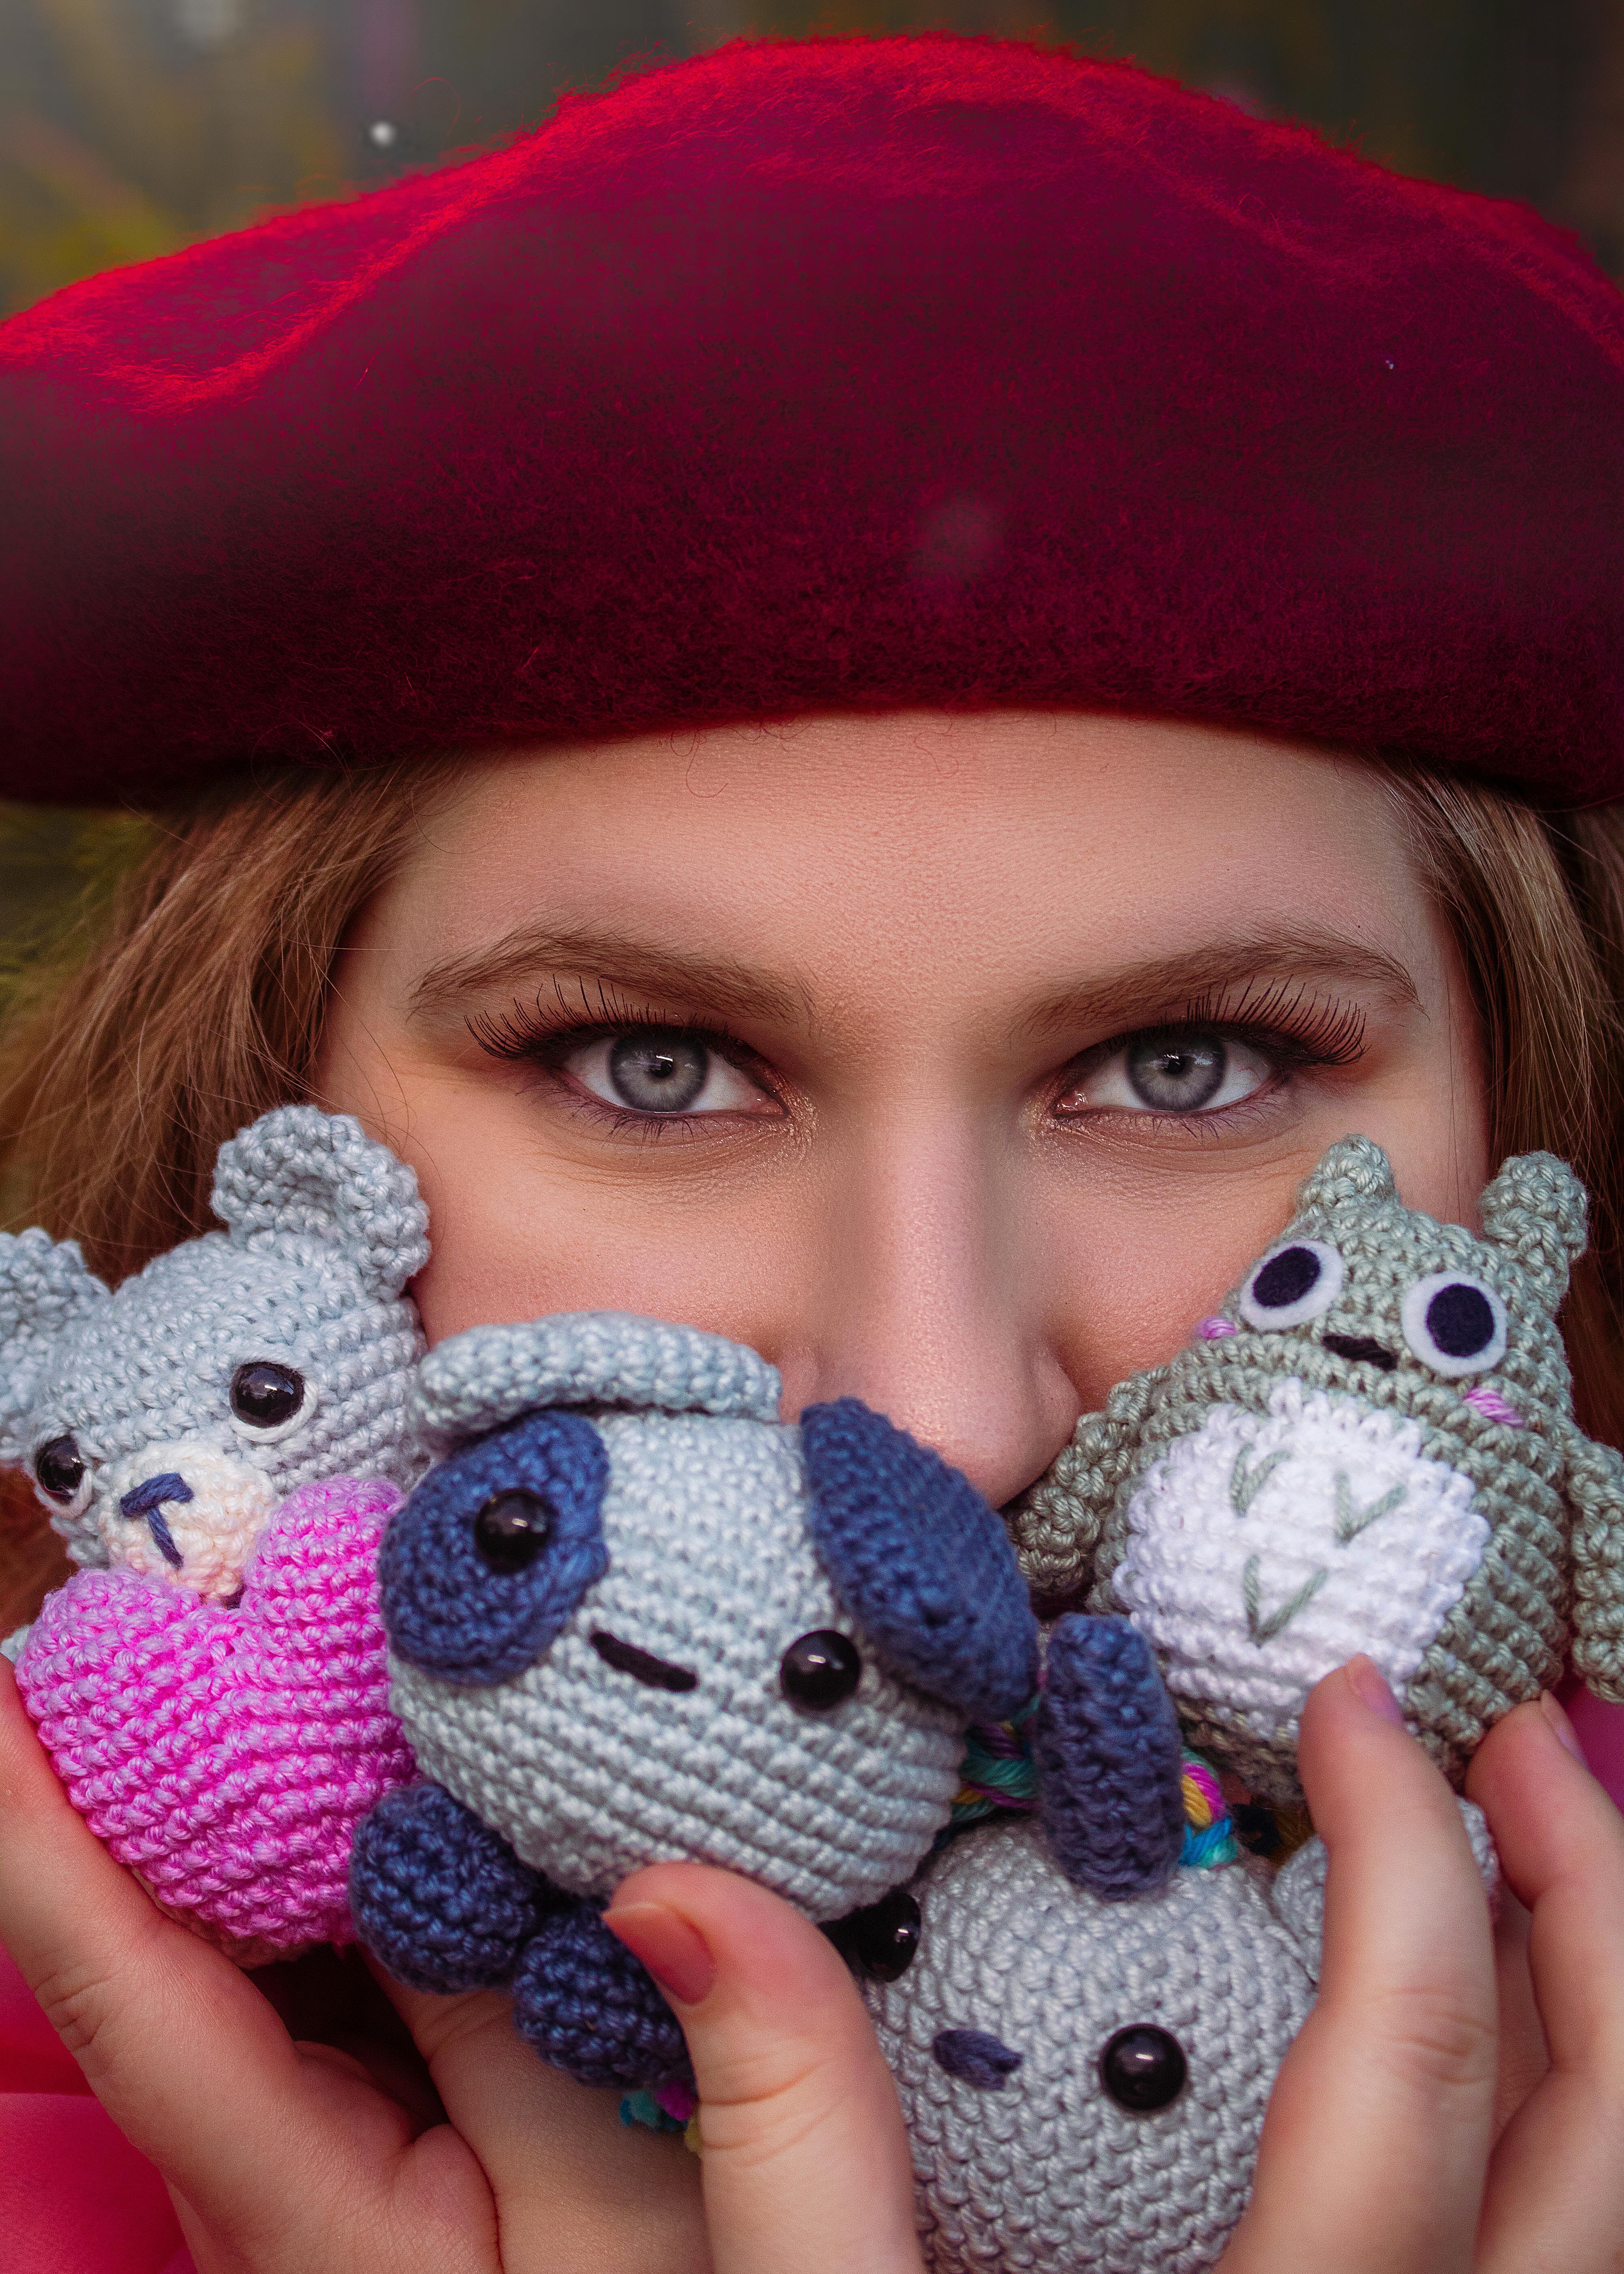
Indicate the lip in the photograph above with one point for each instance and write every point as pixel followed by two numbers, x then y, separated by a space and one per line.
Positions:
pixel 642 1665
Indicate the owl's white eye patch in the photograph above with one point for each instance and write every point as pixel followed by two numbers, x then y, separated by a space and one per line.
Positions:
pixel 1453 1323
pixel 1293 1283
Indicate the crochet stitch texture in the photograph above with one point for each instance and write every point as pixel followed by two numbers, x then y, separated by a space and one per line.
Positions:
pixel 161 1423
pixel 226 1756
pixel 1372 1447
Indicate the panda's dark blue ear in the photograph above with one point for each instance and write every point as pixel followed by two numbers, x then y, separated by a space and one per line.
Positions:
pixel 920 1561
pixel 1110 1765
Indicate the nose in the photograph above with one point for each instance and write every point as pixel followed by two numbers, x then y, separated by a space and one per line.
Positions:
pixel 147 1499
pixel 925 1304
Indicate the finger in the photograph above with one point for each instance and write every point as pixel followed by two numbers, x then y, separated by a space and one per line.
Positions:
pixel 603 2195
pixel 1555 2197
pixel 805 2160
pixel 174 2041
pixel 1377 2137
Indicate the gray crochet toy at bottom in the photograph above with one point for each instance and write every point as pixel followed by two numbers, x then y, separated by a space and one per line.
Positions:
pixel 634 1617
pixel 161 1422
pixel 1084 2050
pixel 1370 1447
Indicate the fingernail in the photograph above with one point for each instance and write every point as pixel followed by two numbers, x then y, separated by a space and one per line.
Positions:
pixel 1561 1729
pixel 1369 1686
pixel 675 1953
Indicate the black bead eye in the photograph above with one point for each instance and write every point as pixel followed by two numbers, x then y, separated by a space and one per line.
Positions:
pixel 265 1395
pixel 882 1940
pixel 820 1670
pixel 1454 1325
pixel 1143 2068
pixel 511 1530
pixel 60 1469
pixel 1297 1281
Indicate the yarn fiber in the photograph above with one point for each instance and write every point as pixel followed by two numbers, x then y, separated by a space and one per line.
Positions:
pixel 324 1227
pixel 226 1756
pixel 1311 1476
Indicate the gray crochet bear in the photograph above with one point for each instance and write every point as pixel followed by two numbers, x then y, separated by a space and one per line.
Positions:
pixel 633 1617
pixel 1373 1448
pixel 161 1422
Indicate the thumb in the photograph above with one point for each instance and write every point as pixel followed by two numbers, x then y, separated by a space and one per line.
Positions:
pixel 805 2160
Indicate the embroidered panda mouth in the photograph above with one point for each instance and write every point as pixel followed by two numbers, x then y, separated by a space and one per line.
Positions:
pixel 642 1665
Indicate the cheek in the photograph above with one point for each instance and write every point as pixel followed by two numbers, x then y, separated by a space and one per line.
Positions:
pixel 1134 1276
pixel 518 1233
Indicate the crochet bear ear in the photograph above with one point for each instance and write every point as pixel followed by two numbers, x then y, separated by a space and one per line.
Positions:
pixel 298 1175
pixel 1538 1213
pixel 477 1380
pixel 919 1559
pixel 1354 1173
pixel 44 1286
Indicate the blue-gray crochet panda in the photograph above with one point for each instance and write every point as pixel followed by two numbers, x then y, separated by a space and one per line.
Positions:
pixel 635 1617
pixel 162 1421
pixel 1084 2038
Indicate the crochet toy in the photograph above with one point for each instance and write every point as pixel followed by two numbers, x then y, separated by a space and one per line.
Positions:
pixel 226 1756
pixel 161 1422
pixel 663 1625
pixel 1083 2051
pixel 1371 1448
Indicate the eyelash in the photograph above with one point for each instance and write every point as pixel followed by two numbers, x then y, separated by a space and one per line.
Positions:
pixel 541 1036
pixel 1282 1021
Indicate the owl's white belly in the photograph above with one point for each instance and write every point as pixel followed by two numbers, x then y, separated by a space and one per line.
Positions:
pixel 1265 1549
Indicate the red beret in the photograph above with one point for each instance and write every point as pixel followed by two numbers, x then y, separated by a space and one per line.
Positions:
pixel 844 373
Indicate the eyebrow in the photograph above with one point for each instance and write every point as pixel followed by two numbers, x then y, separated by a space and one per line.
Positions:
pixel 1192 982
pixel 1195 982
pixel 723 984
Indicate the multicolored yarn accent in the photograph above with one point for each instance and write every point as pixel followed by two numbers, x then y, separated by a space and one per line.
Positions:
pixel 226 1756
pixel 998 1775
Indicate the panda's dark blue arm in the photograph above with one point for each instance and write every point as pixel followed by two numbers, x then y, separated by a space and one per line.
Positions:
pixel 1106 1745
pixel 438 1898
pixel 592 2009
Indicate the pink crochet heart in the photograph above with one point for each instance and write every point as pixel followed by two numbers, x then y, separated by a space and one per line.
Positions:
pixel 226 1756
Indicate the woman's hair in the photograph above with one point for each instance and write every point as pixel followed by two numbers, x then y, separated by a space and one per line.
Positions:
pixel 202 1001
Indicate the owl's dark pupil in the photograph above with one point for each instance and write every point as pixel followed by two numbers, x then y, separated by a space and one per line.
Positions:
pixel 1460 1321
pixel 1143 2068
pixel 820 1670
pixel 60 1468
pixel 511 1530
pixel 881 1940
pixel 265 1394
pixel 1286 1279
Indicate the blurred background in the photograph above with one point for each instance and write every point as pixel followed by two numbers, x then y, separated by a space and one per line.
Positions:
pixel 129 127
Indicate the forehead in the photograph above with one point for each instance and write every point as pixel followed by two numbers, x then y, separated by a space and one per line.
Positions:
pixel 1037 847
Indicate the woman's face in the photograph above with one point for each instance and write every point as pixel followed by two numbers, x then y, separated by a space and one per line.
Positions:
pixel 960 1064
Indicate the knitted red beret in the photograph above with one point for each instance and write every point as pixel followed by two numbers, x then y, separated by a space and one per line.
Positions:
pixel 843 374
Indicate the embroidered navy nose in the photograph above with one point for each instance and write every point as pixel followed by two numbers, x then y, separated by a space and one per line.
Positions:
pixel 147 1499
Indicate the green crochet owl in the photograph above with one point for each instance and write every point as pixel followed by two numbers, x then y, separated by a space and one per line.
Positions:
pixel 1371 1448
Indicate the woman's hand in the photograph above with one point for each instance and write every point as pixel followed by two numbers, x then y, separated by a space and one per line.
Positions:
pixel 1376 2157
pixel 1378 2154
pixel 284 2155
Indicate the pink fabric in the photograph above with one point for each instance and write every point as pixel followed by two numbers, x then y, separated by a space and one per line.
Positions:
pixel 228 1755
pixel 75 2198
